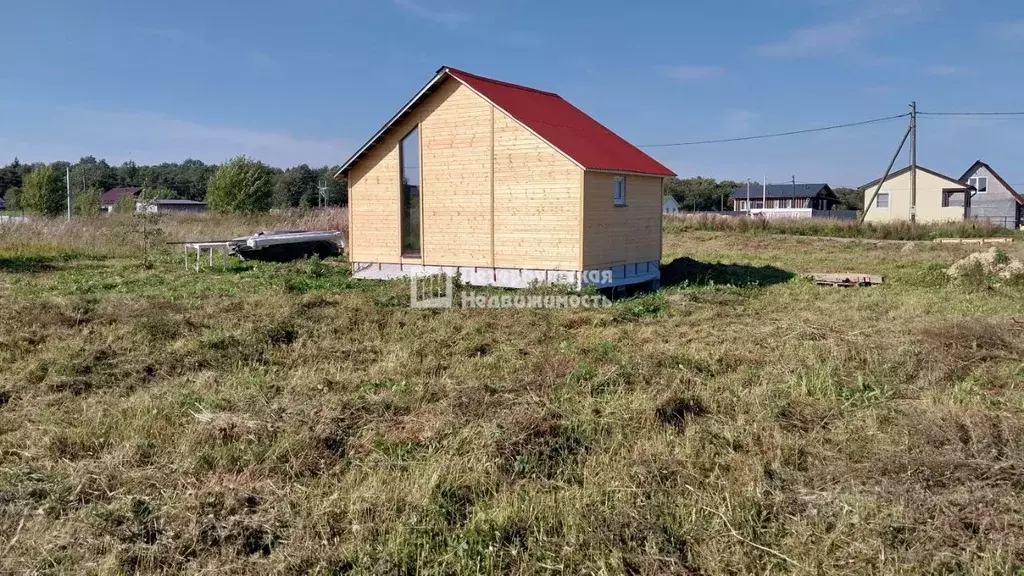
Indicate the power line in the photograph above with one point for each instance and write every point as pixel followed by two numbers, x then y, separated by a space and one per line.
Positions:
pixel 778 134
pixel 970 113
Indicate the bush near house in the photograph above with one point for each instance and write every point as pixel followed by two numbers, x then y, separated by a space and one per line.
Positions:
pixel 241 185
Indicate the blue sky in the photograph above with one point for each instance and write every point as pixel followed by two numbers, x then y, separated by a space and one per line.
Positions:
pixel 310 80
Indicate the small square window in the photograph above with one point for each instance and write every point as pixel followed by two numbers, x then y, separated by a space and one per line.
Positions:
pixel 620 190
pixel 882 201
pixel 980 183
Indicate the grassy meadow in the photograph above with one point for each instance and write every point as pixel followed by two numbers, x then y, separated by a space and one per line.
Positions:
pixel 289 419
pixel 709 221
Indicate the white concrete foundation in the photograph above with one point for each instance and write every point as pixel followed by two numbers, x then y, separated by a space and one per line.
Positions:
pixel 622 275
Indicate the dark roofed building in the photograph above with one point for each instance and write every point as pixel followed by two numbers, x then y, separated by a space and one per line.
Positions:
pixel 111 197
pixel 784 196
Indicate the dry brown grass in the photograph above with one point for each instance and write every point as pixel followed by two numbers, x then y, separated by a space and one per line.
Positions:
pixel 127 235
pixel 289 419
pixel 834 228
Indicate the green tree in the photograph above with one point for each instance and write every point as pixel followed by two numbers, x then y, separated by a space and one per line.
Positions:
pixel 11 175
pixel 43 192
pixel 159 194
pixel 241 185
pixel 337 190
pixel 701 193
pixel 294 187
pixel 128 174
pixel 850 198
pixel 87 202
pixel 124 205
pixel 12 199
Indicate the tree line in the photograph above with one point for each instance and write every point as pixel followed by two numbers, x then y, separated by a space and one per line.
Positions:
pixel 239 185
pixel 247 185
pixel 707 194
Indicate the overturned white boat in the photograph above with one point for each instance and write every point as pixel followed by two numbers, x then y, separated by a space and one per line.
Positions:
pixel 288 245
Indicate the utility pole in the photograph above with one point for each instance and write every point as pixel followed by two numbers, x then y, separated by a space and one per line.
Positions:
pixel 322 194
pixel 793 203
pixel 748 197
pixel 913 161
pixel 881 182
pixel 67 180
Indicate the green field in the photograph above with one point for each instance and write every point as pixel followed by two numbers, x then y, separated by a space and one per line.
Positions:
pixel 289 419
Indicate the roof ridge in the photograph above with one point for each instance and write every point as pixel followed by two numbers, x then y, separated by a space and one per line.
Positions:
pixel 501 82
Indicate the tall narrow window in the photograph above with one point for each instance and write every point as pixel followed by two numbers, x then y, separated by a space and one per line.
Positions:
pixel 409 157
pixel 620 190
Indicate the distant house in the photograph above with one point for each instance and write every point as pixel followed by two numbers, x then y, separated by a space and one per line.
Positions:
pixel 111 197
pixel 169 206
pixel 784 196
pixel 940 198
pixel 669 205
pixel 993 200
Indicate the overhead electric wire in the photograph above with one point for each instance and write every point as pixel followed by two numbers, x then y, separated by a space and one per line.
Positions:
pixel 779 134
pixel 970 113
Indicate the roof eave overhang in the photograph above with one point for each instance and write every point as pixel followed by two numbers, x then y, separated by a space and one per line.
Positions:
pixel 437 79
pixel 631 173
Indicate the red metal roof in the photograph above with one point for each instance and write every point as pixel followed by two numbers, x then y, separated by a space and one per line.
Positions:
pixel 564 126
pixel 561 124
pixel 113 195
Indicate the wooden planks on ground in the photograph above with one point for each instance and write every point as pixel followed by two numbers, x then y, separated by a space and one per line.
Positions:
pixel 973 240
pixel 845 279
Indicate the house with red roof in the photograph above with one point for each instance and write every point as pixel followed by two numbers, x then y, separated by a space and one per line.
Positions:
pixel 111 197
pixel 505 185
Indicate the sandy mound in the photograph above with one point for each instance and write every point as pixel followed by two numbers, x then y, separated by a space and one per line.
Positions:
pixel 995 263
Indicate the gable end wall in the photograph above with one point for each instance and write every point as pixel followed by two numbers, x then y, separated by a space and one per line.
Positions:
pixel 493 194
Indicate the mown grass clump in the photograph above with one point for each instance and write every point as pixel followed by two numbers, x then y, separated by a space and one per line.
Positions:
pixel 289 419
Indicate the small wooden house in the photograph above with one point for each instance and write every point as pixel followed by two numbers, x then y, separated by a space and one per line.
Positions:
pixel 784 196
pixel 504 185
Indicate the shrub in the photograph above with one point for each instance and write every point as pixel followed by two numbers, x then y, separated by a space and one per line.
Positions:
pixel 241 185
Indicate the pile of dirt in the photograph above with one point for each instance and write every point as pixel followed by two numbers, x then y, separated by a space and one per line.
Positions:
pixel 994 263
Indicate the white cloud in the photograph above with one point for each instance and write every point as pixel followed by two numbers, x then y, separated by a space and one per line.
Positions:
pixel 1010 33
pixel 449 18
pixel 692 72
pixel 878 90
pixel 150 138
pixel 946 70
pixel 188 42
pixel 817 40
pixel 846 35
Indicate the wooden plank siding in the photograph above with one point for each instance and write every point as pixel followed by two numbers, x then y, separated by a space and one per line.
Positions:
pixel 375 190
pixel 495 194
pixel 536 201
pixel 456 174
pixel 740 204
pixel 614 235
